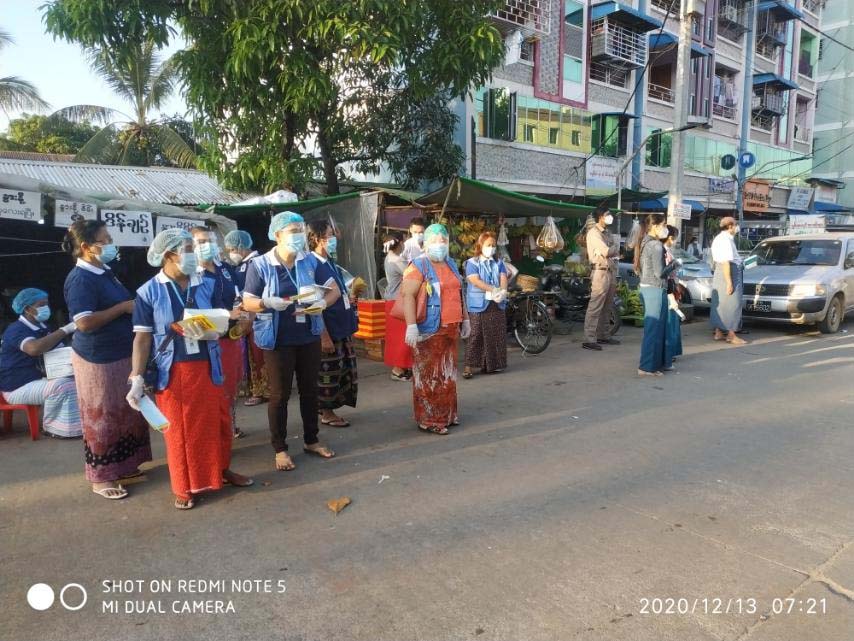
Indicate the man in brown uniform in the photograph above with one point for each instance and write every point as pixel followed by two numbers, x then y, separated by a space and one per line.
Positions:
pixel 602 252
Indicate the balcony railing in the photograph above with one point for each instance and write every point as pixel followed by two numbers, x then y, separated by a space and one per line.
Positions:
pixel 773 33
pixel 531 16
pixel 665 5
pixel 805 68
pixel 616 45
pixel 609 76
pixel 803 134
pixel 732 21
pixel 659 92
pixel 722 111
pixel 813 6
pixel 769 103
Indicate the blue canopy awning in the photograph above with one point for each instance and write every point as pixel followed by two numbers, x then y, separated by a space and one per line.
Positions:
pixel 830 208
pixel 781 8
pixel 625 14
pixel 665 39
pixel 774 79
pixel 660 204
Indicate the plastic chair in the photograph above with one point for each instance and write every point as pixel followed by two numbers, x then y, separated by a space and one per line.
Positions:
pixel 32 416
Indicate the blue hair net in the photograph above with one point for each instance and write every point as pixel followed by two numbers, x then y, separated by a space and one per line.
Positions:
pixel 435 230
pixel 238 239
pixel 166 241
pixel 282 220
pixel 26 298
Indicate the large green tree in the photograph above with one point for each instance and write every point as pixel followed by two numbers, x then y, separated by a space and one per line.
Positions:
pixel 17 93
pixel 137 75
pixel 45 135
pixel 288 89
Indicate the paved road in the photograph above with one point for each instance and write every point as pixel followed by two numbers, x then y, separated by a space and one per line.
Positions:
pixel 572 492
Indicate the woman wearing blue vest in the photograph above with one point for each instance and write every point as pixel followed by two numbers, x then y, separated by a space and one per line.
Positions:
pixel 338 382
pixel 22 380
pixel 486 297
pixel 189 375
pixel 115 438
pixel 289 337
pixel 434 341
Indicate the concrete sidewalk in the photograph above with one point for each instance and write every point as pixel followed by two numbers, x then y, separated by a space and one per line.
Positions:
pixel 572 502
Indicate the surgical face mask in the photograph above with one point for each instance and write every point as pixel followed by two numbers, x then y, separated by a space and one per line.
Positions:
pixel 189 263
pixel 235 258
pixel 735 230
pixel 332 245
pixel 108 253
pixel 609 219
pixel 437 252
pixel 419 238
pixel 488 252
pixel 207 251
pixel 295 242
pixel 663 233
pixel 42 313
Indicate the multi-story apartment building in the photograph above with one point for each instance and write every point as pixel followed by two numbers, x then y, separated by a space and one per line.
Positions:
pixel 834 124
pixel 566 108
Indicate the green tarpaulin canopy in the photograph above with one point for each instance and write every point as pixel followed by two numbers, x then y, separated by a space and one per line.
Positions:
pixel 299 207
pixel 480 198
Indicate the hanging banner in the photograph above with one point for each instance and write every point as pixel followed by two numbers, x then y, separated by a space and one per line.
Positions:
pixel 721 185
pixel 167 222
pixel 825 194
pixel 20 205
pixel 129 228
pixel 757 195
pixel 806 224
pixel 799 198
pixel 68 212
pixel 600 176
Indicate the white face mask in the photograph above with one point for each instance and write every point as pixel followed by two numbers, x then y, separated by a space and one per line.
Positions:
pixel 735 230
pixel 488 252
pixel 235 258
pixel 609 219
pixel 663 233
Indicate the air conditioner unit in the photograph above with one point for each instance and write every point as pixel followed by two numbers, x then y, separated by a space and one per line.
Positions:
pixel 695 8
pixel 729 12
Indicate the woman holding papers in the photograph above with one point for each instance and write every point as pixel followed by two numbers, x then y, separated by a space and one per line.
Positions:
pixel 186 371
pixel 281 290
pixel 338 383
pixel 224 280
pixel 115 438
pixel 22 380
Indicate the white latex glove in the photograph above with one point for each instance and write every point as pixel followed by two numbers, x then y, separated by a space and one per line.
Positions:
pixel 276 303
pixel 411 338
pixel 320 302
pixel 465 329
pixel 498 295
pixel 193 331
pixel 69 329
pixel 137 390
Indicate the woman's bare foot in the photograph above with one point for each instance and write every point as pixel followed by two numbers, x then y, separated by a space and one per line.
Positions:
pixel 330 418
pixel 235 479
pixel 718 335
pixel 317 449
pixel 284 463
pixel 732 339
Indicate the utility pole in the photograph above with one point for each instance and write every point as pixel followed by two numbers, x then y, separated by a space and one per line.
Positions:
pixel 746 104
pixel 680 113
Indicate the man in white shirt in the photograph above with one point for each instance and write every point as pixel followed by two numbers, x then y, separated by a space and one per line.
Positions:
pixel 413 247
pixel 725 315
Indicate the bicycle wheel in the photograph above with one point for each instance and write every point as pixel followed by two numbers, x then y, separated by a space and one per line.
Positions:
pixel 533 331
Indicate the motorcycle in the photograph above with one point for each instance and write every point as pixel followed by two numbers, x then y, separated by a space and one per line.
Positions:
pixel 570 295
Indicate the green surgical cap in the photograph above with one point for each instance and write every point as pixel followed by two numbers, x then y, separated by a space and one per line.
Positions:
pixel 166 241
pixel 27 298
pixel 238 239
pixel 435 230
pixel 282 220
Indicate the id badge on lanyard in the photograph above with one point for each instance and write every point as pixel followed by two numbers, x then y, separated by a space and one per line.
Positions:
pixel 191 345
pixel 298 318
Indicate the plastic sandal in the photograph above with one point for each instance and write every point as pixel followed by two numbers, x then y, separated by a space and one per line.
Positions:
pixel 441 431
pixel 111 493
pixel 317 452
pixel 184 504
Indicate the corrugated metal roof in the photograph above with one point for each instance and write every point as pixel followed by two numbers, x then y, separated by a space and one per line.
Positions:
pixel 153 184
pixel 34 155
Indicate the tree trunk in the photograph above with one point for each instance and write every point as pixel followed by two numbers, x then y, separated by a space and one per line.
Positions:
pixel 330 165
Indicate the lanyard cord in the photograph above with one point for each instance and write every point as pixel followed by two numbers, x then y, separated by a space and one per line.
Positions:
pixel 186 300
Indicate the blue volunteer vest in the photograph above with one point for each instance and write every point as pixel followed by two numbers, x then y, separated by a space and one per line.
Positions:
pixel 434 300
pixel 157 295
pixel 487 271
pixel 266 324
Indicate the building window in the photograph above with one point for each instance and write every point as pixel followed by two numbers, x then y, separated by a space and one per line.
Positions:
pixel 808 54
pixel 610 135
pixel 692 104
pixel 695 25
pixel 554 133
pixel 498 114
pixel 526 52
pixel 576 138
pixel 658 149
pixel 724 94
pixel 710 29
pixel 608 75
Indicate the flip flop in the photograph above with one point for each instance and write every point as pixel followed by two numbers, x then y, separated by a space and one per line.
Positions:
pixel 248 482
pixel 317 452
pixel 239 433
pixel 441 431
pixel 111 493
pixel 135 475
pixel 184 504
pixel 467 375
pixel 253 401
pixel 335 422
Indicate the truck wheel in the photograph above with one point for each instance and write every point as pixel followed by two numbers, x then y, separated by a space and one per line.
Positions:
pixel 833 319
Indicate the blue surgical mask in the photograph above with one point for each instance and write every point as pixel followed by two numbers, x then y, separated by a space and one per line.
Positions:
pixel 437 252
pixel 207 251
pixel 332 245
pixel 108 253
pixel 189 263
pixel 295 242
pixel 42 313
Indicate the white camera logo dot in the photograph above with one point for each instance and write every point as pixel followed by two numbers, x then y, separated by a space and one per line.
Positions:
pixel 40 596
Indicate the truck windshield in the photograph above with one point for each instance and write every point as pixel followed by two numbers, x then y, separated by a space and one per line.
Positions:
pixel 798 252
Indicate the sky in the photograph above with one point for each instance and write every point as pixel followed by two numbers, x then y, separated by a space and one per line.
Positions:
pixel 58 69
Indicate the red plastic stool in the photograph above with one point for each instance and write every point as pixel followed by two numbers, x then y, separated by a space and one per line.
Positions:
pixel 32 416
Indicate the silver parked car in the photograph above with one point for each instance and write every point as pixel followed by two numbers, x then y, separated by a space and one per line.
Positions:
pixel 694 277
pixel 804 280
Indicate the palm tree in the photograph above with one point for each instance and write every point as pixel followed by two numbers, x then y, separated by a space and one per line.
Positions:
pixel 144 82
pixel 15 93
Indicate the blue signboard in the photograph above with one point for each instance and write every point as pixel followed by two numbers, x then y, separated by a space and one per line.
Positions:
pixel 746 160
